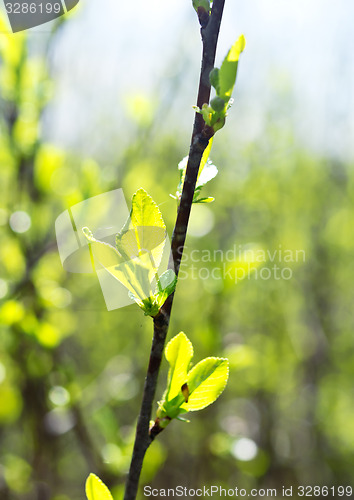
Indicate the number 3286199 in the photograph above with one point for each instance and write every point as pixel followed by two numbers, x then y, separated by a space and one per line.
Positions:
pixel 325 491
pixel 33 8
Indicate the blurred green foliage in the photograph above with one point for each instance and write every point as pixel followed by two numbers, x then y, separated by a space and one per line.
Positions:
pixel 71 373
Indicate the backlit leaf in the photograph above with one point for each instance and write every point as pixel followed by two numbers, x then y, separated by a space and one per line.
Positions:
pixel 205 158
pixel 209 172
pixel 206 381
pixel 105 254
pixel 145 211
pixel 96 489
pixel 228 70
pixel 209 199
pixel 179 352
pixel 167 282
pixel 137 255
pixel 135 274
pixel 145 230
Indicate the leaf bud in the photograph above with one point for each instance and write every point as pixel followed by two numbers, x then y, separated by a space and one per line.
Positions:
pixel 217 104
pixel 214 78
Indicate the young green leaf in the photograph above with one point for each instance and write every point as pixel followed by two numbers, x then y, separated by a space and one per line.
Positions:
pixel 105 254
pixel 210 199
pixel 206 381
pixel 228 71
pixel 135 274
pixel 139 240
pixel 165 286
pixel 138 253
pixel 145 211
pixel 208 173
pixel 96 489
pixel 145 232
pixel 167 281
pixel 204 160
pixel 178 352
pixel 189 391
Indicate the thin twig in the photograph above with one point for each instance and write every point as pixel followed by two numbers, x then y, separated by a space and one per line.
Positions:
pixel 200 138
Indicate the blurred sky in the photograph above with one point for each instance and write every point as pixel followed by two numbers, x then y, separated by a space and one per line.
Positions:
pixel 297 70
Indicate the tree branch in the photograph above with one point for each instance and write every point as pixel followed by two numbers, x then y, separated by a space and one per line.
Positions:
pixel 200 139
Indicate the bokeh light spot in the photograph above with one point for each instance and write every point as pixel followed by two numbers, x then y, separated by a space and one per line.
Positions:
pixel 59 396
pixel 3 289
pixel 2 373
pixel 244 449
pixel 20 221
pixel 201 222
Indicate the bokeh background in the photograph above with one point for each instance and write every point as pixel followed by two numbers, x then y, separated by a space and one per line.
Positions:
pixel 102 100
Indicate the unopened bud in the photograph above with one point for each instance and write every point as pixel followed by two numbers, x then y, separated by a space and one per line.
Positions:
pixel 219 124
pixel 214 77
pixel 217 104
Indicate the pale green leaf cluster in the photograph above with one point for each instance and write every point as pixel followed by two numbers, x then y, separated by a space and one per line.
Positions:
pixel 136 257
pixel 190 389
pixel 207 172
pixel 223 80
pixel 96 489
